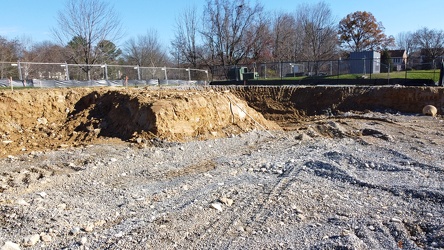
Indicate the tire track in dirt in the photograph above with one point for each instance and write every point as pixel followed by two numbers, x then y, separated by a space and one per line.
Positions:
pixel 247 215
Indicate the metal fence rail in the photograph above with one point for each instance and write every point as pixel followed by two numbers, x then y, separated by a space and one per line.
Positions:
pixel 38 74
pixel 74 83
pixel 32 71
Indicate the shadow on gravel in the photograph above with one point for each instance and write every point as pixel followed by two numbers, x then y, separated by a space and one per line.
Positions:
pixel 342 159
pixel 328 171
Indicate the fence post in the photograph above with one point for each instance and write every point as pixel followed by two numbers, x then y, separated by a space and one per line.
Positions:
pixel 339 68
pixel 66 71
pixel 405 78
pixel 265 72
pixel 441 74
pixel 10 83
pixel 388 74
pixel 19 70
pixel 208 79
pixel 106 72
pixel 166 76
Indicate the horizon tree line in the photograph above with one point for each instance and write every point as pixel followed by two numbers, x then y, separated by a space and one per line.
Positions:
pixel 227 33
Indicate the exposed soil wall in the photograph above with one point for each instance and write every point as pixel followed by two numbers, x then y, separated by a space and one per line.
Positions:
pixel 289 102
pixel 38 119
pixel 56 118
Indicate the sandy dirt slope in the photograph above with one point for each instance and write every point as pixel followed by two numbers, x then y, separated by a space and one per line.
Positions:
pixel 40 119
pixel 346 180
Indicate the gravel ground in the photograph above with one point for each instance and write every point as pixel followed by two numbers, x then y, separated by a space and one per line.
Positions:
pixel 368 182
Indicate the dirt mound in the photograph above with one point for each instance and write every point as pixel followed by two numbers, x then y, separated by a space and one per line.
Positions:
pixel 47 119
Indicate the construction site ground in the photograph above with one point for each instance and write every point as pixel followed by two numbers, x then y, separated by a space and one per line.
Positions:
pixel 244 167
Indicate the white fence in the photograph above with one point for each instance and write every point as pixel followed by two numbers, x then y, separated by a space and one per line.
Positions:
pixel 72 83
pixel 32 74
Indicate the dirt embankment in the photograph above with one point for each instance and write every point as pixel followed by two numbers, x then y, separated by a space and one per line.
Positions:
pixel 292 103
pixel 40 119
pixel 48 119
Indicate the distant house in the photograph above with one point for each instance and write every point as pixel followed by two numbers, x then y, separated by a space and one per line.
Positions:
pixel 365 62
pixel 399 58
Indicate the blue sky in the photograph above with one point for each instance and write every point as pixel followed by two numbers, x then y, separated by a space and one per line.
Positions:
pixel 35 18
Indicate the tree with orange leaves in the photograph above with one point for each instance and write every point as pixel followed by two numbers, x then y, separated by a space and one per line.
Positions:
pixel 360 31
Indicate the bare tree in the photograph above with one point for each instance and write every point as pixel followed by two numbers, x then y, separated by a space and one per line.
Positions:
pixel 261 48
pixel 318 34
pixel 285 43
pixel 44 52
pixel 226 23
pixel 405 40
pixel 431 44
pixel 86 23
pixel 146 51
pixel 185 47
pixel 9 52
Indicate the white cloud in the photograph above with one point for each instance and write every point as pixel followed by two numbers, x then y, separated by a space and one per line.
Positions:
pixel 8 31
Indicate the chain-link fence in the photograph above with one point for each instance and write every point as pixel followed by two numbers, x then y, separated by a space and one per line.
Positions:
pixel 64 74
pixel 365 68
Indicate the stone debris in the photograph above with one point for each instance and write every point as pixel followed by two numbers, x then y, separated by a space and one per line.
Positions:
pixel 22 202
pixel 397 220
pixel 216 206
pixel 45 237
pixel 88 228
pixel 75 231
pixel 31 240
pixel 83 241
pixel 9 245
pixel 430 110
pixel 226 201
pixel 42 194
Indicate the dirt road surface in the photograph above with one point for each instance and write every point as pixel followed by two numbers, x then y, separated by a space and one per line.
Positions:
pixel 151 169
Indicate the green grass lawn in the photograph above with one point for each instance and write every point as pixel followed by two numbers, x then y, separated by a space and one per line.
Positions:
pixel 413 74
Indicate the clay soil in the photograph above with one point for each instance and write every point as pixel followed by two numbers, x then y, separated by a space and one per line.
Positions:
pixel 41 119
pixel 221 167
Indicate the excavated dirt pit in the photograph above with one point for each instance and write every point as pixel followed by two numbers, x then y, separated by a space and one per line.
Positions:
pixel 221 168
pixel 39 119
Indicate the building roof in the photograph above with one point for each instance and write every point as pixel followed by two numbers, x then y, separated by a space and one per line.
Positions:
pixel 397 53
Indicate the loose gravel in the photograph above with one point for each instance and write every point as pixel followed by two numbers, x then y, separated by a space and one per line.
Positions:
pixel 336 183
